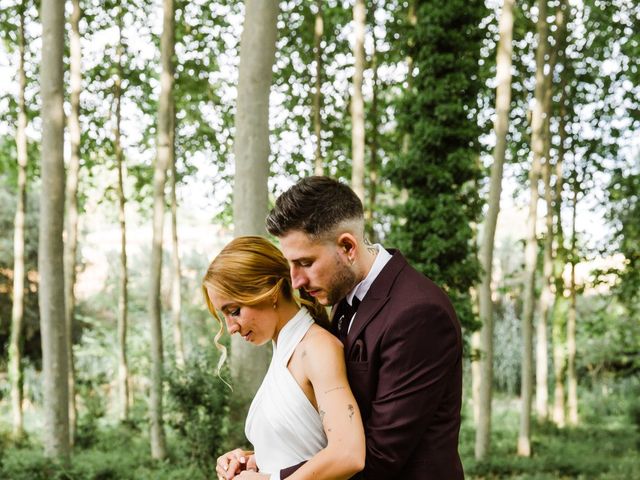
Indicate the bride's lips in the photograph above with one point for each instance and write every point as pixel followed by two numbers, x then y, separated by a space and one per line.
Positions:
pixel 246 337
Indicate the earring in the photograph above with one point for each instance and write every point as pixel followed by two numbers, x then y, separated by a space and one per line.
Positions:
pixel 274 305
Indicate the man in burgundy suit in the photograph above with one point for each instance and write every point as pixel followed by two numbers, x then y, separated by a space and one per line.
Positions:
pixel 402 346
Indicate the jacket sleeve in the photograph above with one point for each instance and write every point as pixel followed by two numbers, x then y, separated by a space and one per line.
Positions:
pixel 419 354
pixel 285 472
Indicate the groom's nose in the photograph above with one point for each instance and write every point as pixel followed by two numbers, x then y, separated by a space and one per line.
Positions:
pixel 298 278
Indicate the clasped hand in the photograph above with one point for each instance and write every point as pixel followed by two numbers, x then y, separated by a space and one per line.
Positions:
pixel 238 464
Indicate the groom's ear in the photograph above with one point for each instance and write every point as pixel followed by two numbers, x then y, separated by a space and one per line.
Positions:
pixel 347 243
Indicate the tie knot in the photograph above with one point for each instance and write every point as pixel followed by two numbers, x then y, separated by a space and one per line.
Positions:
pixel 355 303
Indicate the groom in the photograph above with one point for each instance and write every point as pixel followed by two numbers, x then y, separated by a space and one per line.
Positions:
pixel 401 337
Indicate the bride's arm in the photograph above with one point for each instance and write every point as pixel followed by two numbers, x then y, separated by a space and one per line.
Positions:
pixel 343 457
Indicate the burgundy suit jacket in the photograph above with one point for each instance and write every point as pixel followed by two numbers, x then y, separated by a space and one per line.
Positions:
pixel 404 363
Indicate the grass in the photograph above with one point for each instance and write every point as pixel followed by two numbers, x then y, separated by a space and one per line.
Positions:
pixel 603 448
pixel 606 450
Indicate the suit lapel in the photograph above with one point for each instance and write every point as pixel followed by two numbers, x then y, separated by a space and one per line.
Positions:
pixel 375 298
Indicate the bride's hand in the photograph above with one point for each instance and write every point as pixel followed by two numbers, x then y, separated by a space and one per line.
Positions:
pixel 250 475
pixel 233 462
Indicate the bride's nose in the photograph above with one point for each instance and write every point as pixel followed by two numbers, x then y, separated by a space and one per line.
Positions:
pixel 232 327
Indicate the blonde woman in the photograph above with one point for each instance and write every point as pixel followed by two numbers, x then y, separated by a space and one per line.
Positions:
pixel 304 411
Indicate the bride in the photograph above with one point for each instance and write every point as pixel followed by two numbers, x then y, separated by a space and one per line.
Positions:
pixel 304 410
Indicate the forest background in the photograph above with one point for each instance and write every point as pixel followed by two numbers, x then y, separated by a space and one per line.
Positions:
pixel 495 143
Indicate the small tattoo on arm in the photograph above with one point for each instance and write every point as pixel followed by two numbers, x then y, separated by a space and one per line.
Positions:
pixel 352 411
pixel 304 353
pixel 321 416
pixel 332 389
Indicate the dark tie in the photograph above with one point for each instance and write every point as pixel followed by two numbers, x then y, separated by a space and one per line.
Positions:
pixel 343 316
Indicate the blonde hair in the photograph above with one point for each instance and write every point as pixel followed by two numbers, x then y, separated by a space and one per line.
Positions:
pixel 250 270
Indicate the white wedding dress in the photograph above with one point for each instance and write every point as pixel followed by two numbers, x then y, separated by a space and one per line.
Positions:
pixel 282 425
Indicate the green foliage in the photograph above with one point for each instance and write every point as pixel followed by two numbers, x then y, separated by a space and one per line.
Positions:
pixel 608 339
pixel 507 347
pixel 440 169
pixel 117 454
pixel 198 406
pixel 604 450
pixel 294 81
pixel 624 214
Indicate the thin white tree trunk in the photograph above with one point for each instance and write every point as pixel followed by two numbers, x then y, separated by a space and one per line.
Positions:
pixel 370 205
pixel 547 296
pixel 176 291
pixel 51 246
pixel 558 325
pixel 163 162
pixel 412 21
pixel 250 193
pixel 559 355
pixel 123 365
pixel 17 310
pixel 572 378
pixel 357 101
pixel 531 248
pixel 483 367
pixel 317 94
pixel 72 207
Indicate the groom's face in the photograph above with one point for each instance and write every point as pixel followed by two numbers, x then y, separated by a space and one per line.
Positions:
pixel 322 268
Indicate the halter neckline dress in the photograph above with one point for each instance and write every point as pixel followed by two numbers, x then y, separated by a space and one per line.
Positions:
pixel 282 424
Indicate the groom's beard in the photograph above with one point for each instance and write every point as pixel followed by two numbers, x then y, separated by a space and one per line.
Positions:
pixel 342 281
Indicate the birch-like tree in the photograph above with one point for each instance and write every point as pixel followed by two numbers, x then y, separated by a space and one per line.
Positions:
pixel 176 290
pixel 51 247
pixel 73 175
pixel 318 33
pixel 357 101
pixel 123 295
pixel 17 310
pixel 531 247
pixel 250 192
pixel 547 296
pixel 482 341
pixel 164 160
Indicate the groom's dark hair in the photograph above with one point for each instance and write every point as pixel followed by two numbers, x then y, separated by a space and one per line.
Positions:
pixel 315 205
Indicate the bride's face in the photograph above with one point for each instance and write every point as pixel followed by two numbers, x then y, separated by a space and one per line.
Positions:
pixel 255 324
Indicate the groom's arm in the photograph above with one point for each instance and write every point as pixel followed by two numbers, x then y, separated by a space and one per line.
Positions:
pixel 285 472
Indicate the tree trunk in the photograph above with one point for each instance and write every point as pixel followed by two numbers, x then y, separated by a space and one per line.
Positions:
pixel 374 163
pixel 123 366
pixel 558 330
pixel 51 246
pixel 317 95
pixel 412 20
pixel 163 162
pixel 558 326
pixel 547 297
pixel 250 194
pixel 572 390
pixel 176 291
pixel 72 208
pixel 17 311
pixel 531 249
pixel 483 371
pixel 357 102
